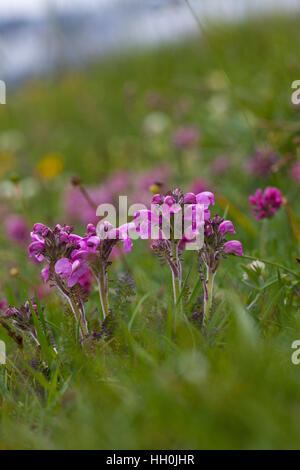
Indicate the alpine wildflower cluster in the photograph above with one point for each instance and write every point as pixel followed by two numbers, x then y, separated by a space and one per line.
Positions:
pixel 175 222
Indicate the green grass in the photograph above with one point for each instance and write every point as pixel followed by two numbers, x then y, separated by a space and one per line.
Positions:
pixel 232 386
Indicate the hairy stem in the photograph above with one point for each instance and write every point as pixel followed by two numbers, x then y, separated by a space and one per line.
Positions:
pixel 78 310
pixel 103 290
pixel 176 280
pixel 208 294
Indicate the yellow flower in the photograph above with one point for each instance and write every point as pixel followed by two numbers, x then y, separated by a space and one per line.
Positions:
pixel 50 166
pixel 155 188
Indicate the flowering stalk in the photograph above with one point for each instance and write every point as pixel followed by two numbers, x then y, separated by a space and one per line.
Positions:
pixel 94 252
pixel 173 221
pixel 214 249
pixel 70 276
pixel 21 319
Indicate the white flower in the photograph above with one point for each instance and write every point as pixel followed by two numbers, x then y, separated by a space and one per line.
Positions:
pixel 256 266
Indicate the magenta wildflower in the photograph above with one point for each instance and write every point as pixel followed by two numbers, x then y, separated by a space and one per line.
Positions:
pixel 226 227
pixel 265 204
pixel 45 274
pixel 214 249
pixel 189 198
pixel 86 281
pixel 234 247
pixel 173 222
pixel 36 248
pixel 52 246
pixel 93 254
pixel 21 319
pixel 71 271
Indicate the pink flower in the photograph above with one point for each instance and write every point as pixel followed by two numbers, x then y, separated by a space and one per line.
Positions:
pixel 41 229
pixel 226 227
pixel 36 248
pixel 45 274
pixel 144 220
pixel 16 229
pixel 157 199
pixel 178 203
pixel 71 271
pixel 265 204
pixel 112 235
pixel 234 247
pixel 185 137
pixel 189 198
pixel 206 198
pixel 86 281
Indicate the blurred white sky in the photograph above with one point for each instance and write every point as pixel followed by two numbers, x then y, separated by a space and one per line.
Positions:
pixel 110 25
pixel 36 7
pixel 12 8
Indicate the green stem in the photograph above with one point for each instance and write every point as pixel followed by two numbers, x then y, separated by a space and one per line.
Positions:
pixel 79 316
pixel 176 280
pixel 208 295
pixel 78 310
pixel 103 290
pixel 176 288
pixel 271 263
